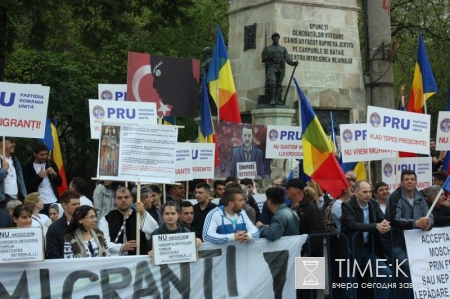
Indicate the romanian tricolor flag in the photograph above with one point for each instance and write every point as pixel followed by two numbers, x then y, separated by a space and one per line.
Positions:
pixel 221 83
pixel 51 140
pixel 423 85
pixel 319 161
pixel 207 134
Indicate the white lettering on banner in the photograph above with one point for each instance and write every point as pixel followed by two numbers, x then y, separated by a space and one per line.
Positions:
pixel 430 265
pixel 222 270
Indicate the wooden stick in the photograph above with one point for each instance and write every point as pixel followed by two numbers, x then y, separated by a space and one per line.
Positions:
pixel 187 189
pixel 138 220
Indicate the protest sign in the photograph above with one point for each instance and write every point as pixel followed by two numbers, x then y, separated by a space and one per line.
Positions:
pixel 112 92
pixel 392 169
pixel 23 109
pixel 398 130
pixel 443 131
pixel 135 276
pixel 430 265
pixel 203 155
pixel 21 245
pixel 183 167
pixel 246 170
pixel 137 152
pixel 174 248
pixel 354 145
pixel 171 83
pixel 119 113
pixel 284 142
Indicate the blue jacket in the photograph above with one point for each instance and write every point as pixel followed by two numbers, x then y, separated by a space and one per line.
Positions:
pixel 285 222
pixel 20 182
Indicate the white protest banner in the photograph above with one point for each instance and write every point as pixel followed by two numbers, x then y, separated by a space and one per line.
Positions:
pixel 354 145
pixel 112 92
pixel 284 142
pixel 398 130
pixel 392 169
pixel 203 157
pixel 183 167
pixel 246 170
pixel 443 131
pixel 21 245
pixel 226 270
pixel 129 152
pixel 119 113
pixel 23 110
pixel 430 266
pixel 174 248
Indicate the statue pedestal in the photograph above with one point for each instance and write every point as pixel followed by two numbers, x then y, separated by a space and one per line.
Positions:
pixel 278 117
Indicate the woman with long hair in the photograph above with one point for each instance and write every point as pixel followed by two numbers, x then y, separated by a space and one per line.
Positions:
pixel 171 214
pixel 22 216
pixel 34 202
pixel 82 238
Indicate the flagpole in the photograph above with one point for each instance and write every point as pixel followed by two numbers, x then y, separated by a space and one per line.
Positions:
pixel 434 203
pixel 138 219
pixel 218 100
pixel 425 104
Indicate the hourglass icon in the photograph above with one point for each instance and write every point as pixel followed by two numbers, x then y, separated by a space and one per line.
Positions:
pixel 310 279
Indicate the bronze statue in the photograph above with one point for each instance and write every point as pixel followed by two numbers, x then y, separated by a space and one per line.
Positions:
pixel 275 56
pixel 207 54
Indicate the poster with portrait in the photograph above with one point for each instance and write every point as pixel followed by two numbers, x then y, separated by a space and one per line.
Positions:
pixel 109 151
pixel 241 146
pixel 172 83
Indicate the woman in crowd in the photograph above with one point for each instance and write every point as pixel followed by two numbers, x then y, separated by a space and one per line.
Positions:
pixel 34 202
pixel 82 238
pixel 22 216
pixel 53 212
pixel 171 213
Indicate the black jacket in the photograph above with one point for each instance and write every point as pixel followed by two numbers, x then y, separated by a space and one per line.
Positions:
pixel 352 222
pixel 54 239
pixel 32 179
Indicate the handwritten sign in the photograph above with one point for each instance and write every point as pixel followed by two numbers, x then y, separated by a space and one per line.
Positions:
pixel 246 170
pixel 174 248
pixel 21 245
pixel 284 142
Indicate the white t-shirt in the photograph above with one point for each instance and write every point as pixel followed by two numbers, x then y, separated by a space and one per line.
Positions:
pixel 11 179
pixel 45 188
pixel 84 201
pixel 43 221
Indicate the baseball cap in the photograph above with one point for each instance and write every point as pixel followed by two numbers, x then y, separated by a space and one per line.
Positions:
pixel 295 183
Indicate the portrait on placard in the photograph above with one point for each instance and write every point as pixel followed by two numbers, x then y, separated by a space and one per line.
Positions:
pixel 172 83
pixel 109 151
pixel 241 150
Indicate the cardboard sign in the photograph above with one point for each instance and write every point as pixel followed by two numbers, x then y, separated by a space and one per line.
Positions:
pixel 392 169
pixel 112 92
pixel 246 170
pixel 443 131
pixel 23 110
pixel 354 145
pixel 174 248
pixel 398 130
pixel 119 113
pixel 284 142
pixel 21 245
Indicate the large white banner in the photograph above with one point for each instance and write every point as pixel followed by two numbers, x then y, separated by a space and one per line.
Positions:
pixel 392 170
pixel 112 92
pixel 354 145
pixel 398 130
pixel 120 113
pixel 284 142
pixel 129 152
pixel 430 266
pixel 203 157
pixel 443 131
pixel 23 109
pixel 259 269
pixel 183 167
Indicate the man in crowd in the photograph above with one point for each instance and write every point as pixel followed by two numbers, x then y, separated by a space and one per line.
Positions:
pixel 203 206
pixel 187 217
pixel 407 209
pixel 219 188
pixel 231 180
pixel 12 184
pixel 229 223
pixel 175 193
pixel 266 214
pixel 42 175
pixel 381 194
pixel 251 200
pixel 151 197
pixel 363 214
pixel 70 200
pixel 285 222
pixel 439 177
pixel 119 226
pixel 79 185
pixel 441 212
